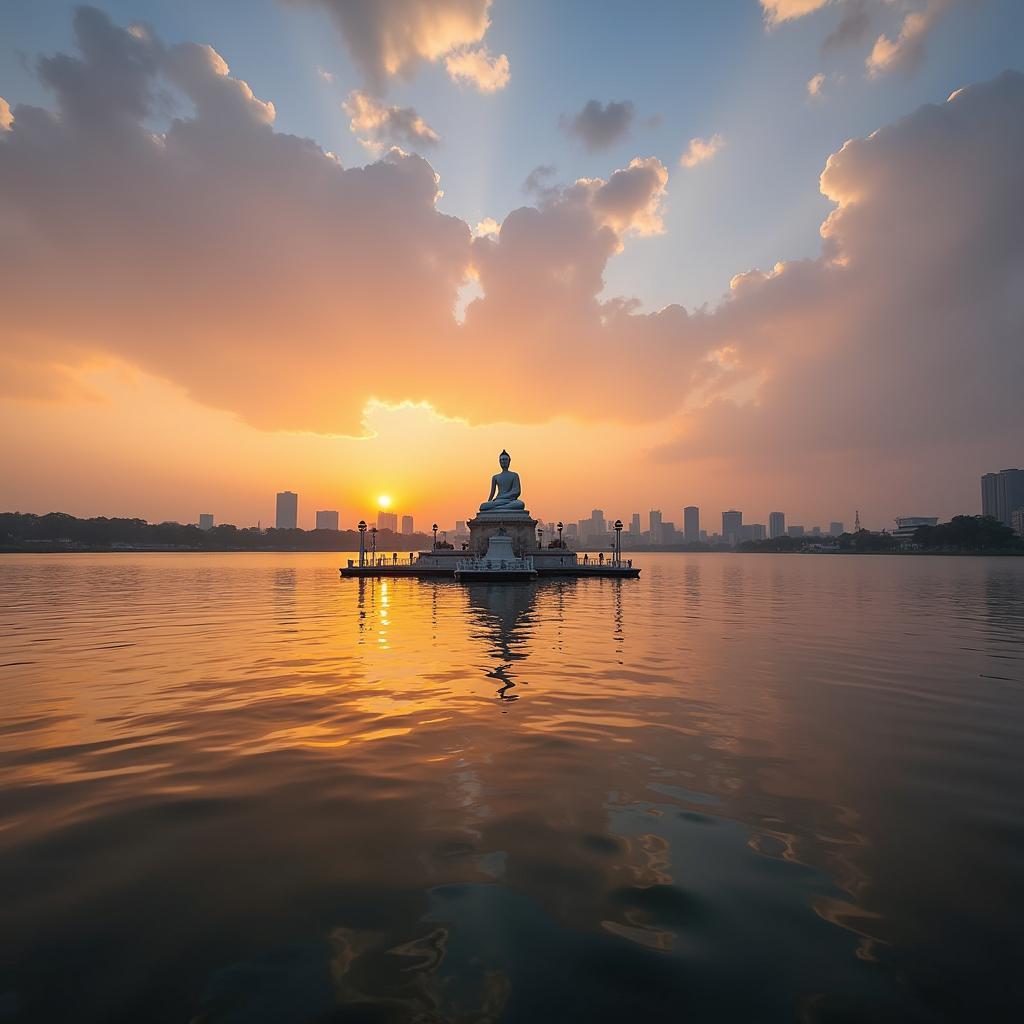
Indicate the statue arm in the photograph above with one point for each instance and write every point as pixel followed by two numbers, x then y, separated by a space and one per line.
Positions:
pixel 516 489
pixel 494 488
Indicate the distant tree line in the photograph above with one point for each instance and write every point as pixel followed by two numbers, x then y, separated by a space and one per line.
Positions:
pixel 969 533
pixel 23 531
pixel 962 533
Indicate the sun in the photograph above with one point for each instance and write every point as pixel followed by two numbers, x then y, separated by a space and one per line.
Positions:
pixel 384 501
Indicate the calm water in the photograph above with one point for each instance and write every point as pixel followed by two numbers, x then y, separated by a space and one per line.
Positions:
pixel 742 788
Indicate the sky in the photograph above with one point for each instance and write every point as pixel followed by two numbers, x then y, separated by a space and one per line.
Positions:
pixel 757 254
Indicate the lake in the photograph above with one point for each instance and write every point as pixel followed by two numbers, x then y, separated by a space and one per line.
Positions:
pixel 764 788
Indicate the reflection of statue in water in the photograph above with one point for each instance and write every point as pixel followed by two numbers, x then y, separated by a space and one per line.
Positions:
pixel 504 618
pixel 501 610
pixel 505 489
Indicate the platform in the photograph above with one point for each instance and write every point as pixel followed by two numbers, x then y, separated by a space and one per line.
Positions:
pixel 623 570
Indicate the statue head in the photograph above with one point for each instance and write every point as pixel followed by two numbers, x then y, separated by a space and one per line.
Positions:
pixel 504 459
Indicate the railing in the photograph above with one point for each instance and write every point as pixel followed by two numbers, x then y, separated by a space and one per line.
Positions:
pixel 494 564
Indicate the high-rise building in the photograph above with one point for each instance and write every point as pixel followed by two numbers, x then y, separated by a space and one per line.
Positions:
pixel 835 529
pixel 795 531
pixel 815 531
pixel 571 532
pixel 776 524
pixel 691 524
pixel 287 511
pixel 205 520
pixel 1017 521
pixel 407 526
pixel 387 521
pixel 634 526
pixel 654 518
pixel 327 520
pixel 1002 493
pixel 597 524
pixel 732 521
pixel 753 531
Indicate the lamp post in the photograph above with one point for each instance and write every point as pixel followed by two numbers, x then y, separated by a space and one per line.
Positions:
pixel 434 528
pixel 362 542
pixel 373 544
pixel 559 528
pixel 618 541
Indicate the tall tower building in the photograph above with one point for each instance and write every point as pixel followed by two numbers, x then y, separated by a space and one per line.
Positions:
pixel 287 511
pixel 1002 494
pixel 776 524
pixel 732 527
pixel 634 526
pixel 327 520
pixel 654 518
pixel 836 528
pixel 408 528
pixel 598 527
pixel 387 521
pixel 205 520
pixel 691 524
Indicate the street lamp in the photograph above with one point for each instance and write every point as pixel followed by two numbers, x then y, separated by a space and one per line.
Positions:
pixel 362 542
pixel 373 544
pixel 434 528
pixel 559 527
pixel 618 541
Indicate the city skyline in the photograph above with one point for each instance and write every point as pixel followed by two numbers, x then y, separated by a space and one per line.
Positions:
pixel 596 525
pixel 745 219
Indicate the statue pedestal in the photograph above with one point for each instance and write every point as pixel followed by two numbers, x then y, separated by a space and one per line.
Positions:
pixel 521 527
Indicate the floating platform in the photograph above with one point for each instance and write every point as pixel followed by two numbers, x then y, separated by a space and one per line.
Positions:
pixel 414 571
pixel 449 564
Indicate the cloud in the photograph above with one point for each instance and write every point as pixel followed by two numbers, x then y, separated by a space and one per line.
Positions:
pixel 631 199
pixel 898 349
pixel 252 269
pixel 6 117
pixel 814 84
pixel 393 37
pixel 377 124
pixel 487 226
pixel 700 151
pixel 477 66
pixel 852 27
pixel 535 183
pixel 328 76
pixel 244 264
pixel 905 52
pixel 597 126
pixel 778 11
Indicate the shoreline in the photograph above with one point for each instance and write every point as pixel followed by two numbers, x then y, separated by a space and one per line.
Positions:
pixel 143 550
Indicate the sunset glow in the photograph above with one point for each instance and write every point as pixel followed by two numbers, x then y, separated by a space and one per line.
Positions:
pixel 470 248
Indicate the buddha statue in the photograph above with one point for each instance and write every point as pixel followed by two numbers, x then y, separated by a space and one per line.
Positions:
pixel 505 489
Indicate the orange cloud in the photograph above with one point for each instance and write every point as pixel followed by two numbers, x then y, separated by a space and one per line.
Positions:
pixel 777 11
pixel 392 37
pixel 905 51
pixel 479 67
pixel 376 123
pixel 700 151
